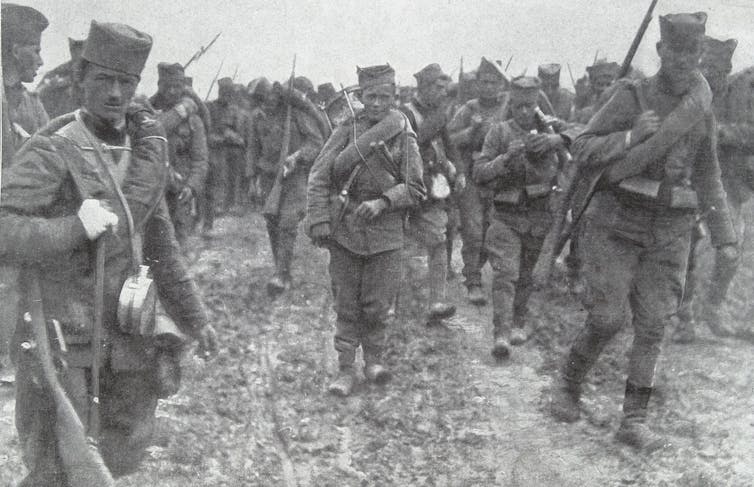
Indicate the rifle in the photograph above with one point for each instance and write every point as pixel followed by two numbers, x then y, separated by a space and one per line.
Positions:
pixel 570 74
pixel 200 52
pixel 508 64
pixel 459 95
pixel 578 187
pixel 81 460
pixel 272 204
pixel 235 73
pixel 214 80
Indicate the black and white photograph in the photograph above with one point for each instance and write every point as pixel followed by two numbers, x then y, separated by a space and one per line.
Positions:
pixel 351 243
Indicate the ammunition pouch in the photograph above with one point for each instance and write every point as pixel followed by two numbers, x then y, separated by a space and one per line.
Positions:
pixel 642 191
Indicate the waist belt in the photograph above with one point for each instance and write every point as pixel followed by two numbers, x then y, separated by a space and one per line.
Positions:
pixel 651 193
pixel 530 197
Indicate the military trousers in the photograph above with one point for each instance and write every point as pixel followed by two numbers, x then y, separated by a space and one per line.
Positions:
pixel 427 225
pixel 213 186
pixel 282 229
pixel 475 220
pixel 9 306
pixel 128 400
pixel 235 177
pixel 513 253
pixel 633 273
pixel 181 216
pixel 363 287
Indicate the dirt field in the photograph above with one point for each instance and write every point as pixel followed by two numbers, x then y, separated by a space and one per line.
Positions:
pixel 259 414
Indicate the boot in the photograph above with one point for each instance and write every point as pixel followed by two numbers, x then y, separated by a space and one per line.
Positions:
pixel 566 392
pixel 521 329
pixel 476 296
pixel 343 384
pixel 440 311
pixel 500 347
pixel 276 286
pixel 374 371
pixel 633 429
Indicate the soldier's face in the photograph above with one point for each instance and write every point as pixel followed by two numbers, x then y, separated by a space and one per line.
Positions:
pixel 172 90
pixel 523 108
pixel 489 86
pixel 716 76
pixel 28 61
pixel 550 84
pixel 107 93
pixel 601 83
pixel 377 101
pixel 433 93
pixel 678 63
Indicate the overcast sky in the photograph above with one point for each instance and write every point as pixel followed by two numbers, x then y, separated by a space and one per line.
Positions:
pixel 260 37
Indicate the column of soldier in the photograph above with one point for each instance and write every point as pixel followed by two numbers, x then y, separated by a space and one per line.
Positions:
pixel 86 164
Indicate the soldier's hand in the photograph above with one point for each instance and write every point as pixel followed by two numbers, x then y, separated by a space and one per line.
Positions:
pixel 320 234
pixel 371 209
pixel 97 217
pixel 541 143
pixel 185 194
pixel 516 148
pixel 644 127
pixel 289 165
pixel 477 120
pixel 186 107
pixel 207 342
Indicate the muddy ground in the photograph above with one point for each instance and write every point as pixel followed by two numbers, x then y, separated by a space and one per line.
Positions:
pixel 259 414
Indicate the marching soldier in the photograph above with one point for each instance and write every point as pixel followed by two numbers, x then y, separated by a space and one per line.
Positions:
pixel 358 193
pixel 519 164
pixel 427 223
pixel 227 152
pixel 265 148
pixel 735 146
pixel 467 132
pixel 58 90
pixel 23 115
pixel 94 175
pixel 601 78
pixel 654 145
pixel 187 146
pixel 560 98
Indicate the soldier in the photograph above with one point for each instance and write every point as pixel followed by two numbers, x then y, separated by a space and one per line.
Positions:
pixel 519 164
pixel 560 98
pixel 654 145
pixel 601 77
pixel 57 90
pixel 264 155
pixel 427 223
pixel 23 115
pixel 735 146
pixel 258 90
pixel 187 146
pixel 51 218
pixel 467 131
pixel 227 152
pixel 364 230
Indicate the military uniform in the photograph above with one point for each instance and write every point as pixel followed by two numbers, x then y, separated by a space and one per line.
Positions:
pixel 638 232
pixel 227 151
pixel 264 155
pixel 475 203
pixel 733 110
pixel 187 151
pixel 522 185
pixel 59 90
pixel 428 222
pixel 601 76
pixel 41 195
pixel 560 99
pixel 364 254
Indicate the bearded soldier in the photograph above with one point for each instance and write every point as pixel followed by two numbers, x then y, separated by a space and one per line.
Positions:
pixel 467 131
pixel 560 98
pixel 264 155
pixel 23 114
pixel 427 223
pixel 187 144
pixel 654 144
pixel 95 175
pixel 732 105
pixel 358 193
pixel 519 164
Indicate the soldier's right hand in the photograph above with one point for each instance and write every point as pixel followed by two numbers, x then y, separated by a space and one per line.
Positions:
pixel 644 127
pixel 516 148
pixel 97 218
pixel 477 120
pixel 186 107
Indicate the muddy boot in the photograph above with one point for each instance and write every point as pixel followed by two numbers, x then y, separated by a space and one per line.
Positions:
pixel 438 312
pixel 566 392
pixel 476 296
pixel 521 329
pixel 343 384
pixel 633 429
pixel 374 370
pixel 276 286
pixel 501 348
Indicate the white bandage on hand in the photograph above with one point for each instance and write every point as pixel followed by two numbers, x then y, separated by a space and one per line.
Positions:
pixel 96 218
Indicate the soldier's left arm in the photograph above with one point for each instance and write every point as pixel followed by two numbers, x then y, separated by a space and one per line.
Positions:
pixel 709 187
pixel 412 190
pixel 199 155
pixel 176 289
pixel 311 138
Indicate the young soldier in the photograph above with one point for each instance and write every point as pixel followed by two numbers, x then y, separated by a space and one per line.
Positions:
pixel 519 164
pixel 91 175
pixel 358 193
pixel 654 144
pixel 187 146
pixel 735 146
pixel 467 131
pixel 427 223
pixel 560 98
pixel 264 153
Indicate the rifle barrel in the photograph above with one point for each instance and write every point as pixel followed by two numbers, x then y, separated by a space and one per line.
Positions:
pixel 626 66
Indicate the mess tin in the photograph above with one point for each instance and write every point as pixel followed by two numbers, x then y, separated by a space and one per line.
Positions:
pixel 137 303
